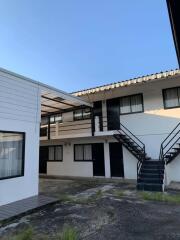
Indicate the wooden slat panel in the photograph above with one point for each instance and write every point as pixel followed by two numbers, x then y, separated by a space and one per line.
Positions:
pixel 24 206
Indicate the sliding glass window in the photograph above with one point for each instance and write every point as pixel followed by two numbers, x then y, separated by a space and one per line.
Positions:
pixel 82 114
pixel 12 149
pixel 171 97
pixel 83 152
pixel 131 104
pixel 56 153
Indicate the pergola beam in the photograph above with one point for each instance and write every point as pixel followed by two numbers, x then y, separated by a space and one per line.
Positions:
pixel 58 101
pixel 65 110
pixel 49 106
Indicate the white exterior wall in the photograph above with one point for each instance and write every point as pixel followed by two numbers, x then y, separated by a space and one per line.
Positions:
pixel 20 111
pixel 155 123
pixel 173 171
pixel 130 165
pixel 68 167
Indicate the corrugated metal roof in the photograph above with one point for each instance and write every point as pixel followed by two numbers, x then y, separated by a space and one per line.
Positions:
pixel 143 79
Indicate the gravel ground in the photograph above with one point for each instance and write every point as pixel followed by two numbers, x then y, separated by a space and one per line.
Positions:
pixel 98 210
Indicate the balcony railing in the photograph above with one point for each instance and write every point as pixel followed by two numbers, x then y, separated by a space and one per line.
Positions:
pixel 68 129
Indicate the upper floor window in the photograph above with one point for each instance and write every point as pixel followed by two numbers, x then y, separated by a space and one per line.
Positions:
pixel 44 120
pixel 56 118
pixel 83 152
pixel 171 97
pixel 43 132
pixel 12 149
pixel 82 114
pixel 131 104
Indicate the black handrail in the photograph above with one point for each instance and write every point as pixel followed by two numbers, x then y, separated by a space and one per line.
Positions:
pixel 121 125
pixel 170 141
pixel 138 142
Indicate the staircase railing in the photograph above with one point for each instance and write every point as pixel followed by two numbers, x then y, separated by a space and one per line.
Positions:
pixel 138 142
pixel 169 142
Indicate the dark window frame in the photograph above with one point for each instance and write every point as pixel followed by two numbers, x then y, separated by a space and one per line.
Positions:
pixel 83 144
pixel 23 154
pixel 55 160
pixel 43 130
pixel 54 116
pixel 82 115
pixel 130 96
pixel 163 94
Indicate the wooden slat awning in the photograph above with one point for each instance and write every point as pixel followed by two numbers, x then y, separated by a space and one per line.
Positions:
pixel 56 101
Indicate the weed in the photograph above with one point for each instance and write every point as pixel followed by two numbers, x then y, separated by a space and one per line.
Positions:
pixel 161 197
pixel 69 233
pixel 65 198
pixel 118 193
pixel 26 234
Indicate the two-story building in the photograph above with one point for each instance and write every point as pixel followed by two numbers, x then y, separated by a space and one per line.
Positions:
pixel 122 135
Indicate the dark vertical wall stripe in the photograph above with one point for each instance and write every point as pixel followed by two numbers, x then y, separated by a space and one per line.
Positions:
pixel 113 114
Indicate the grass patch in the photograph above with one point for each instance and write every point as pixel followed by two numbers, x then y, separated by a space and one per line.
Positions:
pixel 160 197
pixel 88 200
pixel 118 193
pixel 65 198
pixel 26 234
pixel 69 233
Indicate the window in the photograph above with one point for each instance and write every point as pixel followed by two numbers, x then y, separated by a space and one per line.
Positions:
pixel 171 97
pixel 43 132
pixel 44 120
pixel 56 118
pixel 55 153
pixel 83 152
pixel 131 104
pixel 12 148
pixel 82 114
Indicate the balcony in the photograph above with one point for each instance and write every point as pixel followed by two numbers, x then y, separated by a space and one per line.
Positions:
pixel 69 129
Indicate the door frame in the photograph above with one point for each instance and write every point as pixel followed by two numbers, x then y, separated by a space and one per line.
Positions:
pixel 122 160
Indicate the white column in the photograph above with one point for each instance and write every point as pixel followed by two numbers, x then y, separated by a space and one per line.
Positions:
pixel 107 160
pixel 57 129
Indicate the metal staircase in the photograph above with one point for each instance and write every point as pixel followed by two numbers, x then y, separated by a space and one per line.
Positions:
pixel 131 142
pixel 170 147
pixel 150 173
pixel 151 176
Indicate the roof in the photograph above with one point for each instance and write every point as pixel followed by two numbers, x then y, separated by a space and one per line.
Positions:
pixel 52 99
pixel 134 81
pixel 174 16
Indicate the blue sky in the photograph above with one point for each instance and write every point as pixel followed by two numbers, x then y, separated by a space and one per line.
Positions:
pixel 77 44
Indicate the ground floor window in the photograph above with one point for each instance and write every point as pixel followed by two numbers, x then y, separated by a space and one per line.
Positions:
pixel 12 150
pixel 83 152
pixel 55 153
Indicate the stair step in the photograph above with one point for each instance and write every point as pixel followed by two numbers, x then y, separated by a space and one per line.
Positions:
pixel 151 175
pixel 176 148
pixel 152 171
pixel 152 167
pixel 150 180
pixel 150 187
pixel 154 162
